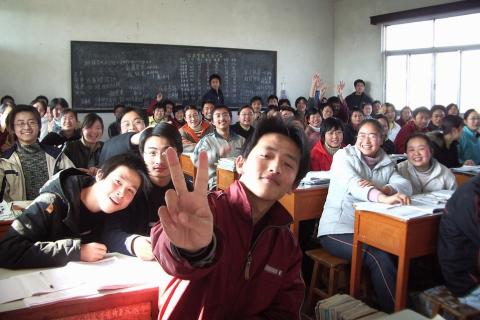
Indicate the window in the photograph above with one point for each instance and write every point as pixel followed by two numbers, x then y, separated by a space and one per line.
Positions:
pixel 432 62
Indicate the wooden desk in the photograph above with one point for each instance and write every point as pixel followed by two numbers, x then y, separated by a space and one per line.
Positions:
pixel 187 165
pixel 406 239
pixel 302 204
pixel 461 178
pixel 123 305
pixel 137 302
pixel 4 225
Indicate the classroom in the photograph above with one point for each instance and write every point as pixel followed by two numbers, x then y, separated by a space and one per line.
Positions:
pixel 360 144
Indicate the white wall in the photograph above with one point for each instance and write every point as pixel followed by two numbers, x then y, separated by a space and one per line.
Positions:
pixel 358 43
pixel 35 35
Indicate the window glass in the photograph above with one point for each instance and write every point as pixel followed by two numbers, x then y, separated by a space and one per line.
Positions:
pixel 447 77
pixel 470 71
pixel 457 31
pixel 396 92
pixel 420 80
pixel 409 35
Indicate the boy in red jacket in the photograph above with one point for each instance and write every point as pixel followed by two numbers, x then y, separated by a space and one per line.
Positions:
pixel 231 254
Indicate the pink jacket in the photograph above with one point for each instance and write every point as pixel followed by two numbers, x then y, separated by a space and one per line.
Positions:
pixel 248 279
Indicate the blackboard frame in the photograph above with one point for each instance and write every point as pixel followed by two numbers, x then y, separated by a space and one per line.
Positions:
pixel 75 43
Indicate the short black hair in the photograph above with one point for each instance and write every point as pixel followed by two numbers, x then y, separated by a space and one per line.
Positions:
pixel 256 98
pixel 59 101
pixel 70 110
pixel 7 97
pixel 373 122
pixel 300 99
pixel 159 105
pixel 222 106
pixel 42 97
pixel 451 106
pixel 40 101
pixel 272 96
pixel 138 111
pixel 22 108
pixel 288 129
pixel 421 110
pixel 329 124
pixel 190 107
pixel 467 113
pixel 118 106
pixel 214 76
pixel 358 81
pixel 164 130
pixel 90 119
pixel 312 111
pixel 207 101
pixel 282 101
pixel 420 135
pixel 247 106
pixel 133 162
pixel 438 107
pixel 450 121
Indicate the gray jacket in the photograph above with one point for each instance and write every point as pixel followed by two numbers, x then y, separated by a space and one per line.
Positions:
pixel 348 168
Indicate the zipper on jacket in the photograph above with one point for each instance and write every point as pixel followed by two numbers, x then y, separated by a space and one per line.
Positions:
pixel 249 255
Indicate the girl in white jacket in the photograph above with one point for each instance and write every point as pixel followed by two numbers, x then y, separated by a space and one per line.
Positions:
pixel 425 173
pixel 363 172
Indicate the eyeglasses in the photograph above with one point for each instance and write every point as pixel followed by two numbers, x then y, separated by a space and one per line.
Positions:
pixel 29 123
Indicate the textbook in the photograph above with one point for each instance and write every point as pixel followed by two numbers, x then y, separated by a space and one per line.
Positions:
pixel 314 178
pixel 421 205
pixel 227 163
pixel 78 279
pixel 471 170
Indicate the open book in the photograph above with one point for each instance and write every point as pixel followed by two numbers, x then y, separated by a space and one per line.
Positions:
pixel 78 279
pixel 421 205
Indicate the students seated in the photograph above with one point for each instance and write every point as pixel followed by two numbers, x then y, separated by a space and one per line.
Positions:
pixel 351 128
pixel 214 94
pixel 438 113
pixel 194 129
pixel 128 231
pixel 114 128
pixel 452 109
pixel 256 103
pixel 178 119
pixel 405 116
pixel 387 144
pixel 28 164
pixel 68 132
pixel 301 106
pixel 57 105
pixel 423 171
pixel 221 143
pixel 459 243
pixel 244 126
pixel 469 143
pixel 272 100
pixel 287 113
pixel 85 153
pixel 133 122
pixel 207 110
pixel 65 221
pixel 158 115
pixel 419 123
pixel 313 120
pixel 331 140
pixel 42 109
pixel 367 111
pixel 363 172
pixel 327 111
pixel 445 142
pixel 231 254
pixel 393 127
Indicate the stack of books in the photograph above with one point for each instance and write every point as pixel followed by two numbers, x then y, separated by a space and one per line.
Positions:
pixel 227 164
pixel 345 307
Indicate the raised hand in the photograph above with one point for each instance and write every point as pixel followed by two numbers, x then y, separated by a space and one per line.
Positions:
pixel 186 218
pixel 340 87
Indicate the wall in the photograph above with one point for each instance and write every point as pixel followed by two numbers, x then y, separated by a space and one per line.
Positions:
pixel 35 35
pixel 357 43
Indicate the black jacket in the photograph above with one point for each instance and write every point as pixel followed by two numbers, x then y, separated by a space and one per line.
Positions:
pixel 50 231
pixel 354 100
pixel 448 157
pixel 58 139
pixel 459 239
pixel 81 155
pixel 214 96
pixel 117 145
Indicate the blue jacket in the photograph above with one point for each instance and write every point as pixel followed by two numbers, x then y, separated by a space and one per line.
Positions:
pixel 469 146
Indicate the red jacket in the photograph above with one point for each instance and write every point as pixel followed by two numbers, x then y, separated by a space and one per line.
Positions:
pixel 320 159
pixel 248 279
pixel 407 130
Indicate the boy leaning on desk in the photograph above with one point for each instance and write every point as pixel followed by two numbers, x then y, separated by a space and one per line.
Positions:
pixel 64 223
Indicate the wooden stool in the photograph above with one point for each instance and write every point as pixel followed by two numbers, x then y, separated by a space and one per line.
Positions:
pixel 325 261
pixel 439 300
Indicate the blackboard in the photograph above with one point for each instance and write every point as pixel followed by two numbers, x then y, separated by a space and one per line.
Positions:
pixel 107 73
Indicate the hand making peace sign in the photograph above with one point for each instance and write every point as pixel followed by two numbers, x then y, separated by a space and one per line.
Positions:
pixel 186 218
